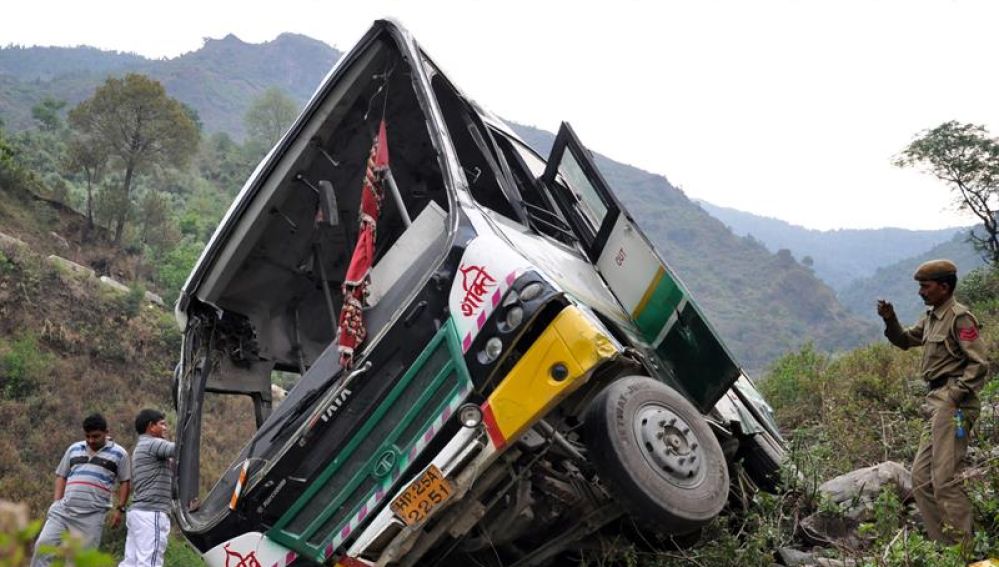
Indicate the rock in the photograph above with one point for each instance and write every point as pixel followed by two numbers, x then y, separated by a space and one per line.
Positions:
pixel 793 557
pixel 825 562
pixel 60 240
pixel 856 491
pixel 825 529
pixel 117 286
pixel 13 517
pixel 12 242
pixel 63 263
pixel 153 298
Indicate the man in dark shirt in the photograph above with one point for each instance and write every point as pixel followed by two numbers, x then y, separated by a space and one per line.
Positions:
pixel 148 518
pixel 954 367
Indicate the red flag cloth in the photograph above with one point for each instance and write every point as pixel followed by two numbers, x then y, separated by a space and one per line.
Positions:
pixel 351 331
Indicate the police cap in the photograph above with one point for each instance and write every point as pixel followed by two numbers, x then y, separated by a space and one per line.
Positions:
pixel 934 270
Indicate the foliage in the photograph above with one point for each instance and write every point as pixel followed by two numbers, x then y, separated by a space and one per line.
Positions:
pixel 16 549
pixel 6 152
pixel 966 158
pixel 48 114
pixel 156 227
pixel 173 269
pixel 84 154
pixel 135 121
pixel 21 367
pixel 132 301
pixel 840 257
pixel 980 287
pixel 843 413
pixel 895 281
pixel 796 380
pixel 269 115
pixel 218 81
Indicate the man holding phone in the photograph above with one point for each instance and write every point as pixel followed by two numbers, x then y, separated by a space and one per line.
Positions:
pixel 954 367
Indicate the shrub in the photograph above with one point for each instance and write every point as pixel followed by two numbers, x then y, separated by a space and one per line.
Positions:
pixel 979 286
pixel 131 302
pixel 16 549
pixel 795 384
pixel 21 368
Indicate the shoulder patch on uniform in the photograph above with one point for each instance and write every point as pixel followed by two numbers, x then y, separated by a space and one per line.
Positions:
pixel 968 334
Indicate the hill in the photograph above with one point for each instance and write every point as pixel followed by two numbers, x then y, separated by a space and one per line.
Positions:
pixel 839 256
pixel 72 344
pixel 762 304
pixel 894 282
pixel 219 80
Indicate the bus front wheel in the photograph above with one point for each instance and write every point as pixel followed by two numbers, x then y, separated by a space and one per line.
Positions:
pixel 656 454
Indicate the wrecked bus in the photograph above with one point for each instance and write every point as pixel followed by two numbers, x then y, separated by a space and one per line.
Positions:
pixel 494 366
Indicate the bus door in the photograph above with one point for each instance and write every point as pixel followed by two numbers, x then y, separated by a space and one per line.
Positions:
pixel 647 288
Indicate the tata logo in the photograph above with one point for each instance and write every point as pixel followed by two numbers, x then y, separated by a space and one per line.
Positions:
pixel 335 405
pixel 385 463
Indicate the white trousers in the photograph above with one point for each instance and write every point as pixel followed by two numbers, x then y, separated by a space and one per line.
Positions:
pixel 147 538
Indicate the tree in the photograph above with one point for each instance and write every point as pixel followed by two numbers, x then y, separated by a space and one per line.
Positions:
pixel 86 155
pixel 156 227
pixel 139 126
pixel 966 158
pixel 270 114
pixel 47 114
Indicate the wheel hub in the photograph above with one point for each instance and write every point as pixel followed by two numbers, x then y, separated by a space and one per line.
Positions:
pixel 669 445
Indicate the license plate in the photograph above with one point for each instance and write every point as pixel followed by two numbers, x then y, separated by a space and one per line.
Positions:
pixel 425 493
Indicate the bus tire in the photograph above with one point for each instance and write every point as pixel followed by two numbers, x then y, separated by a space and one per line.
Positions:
pixel 656 454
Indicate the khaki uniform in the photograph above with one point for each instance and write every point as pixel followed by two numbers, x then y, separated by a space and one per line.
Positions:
pixel 955 367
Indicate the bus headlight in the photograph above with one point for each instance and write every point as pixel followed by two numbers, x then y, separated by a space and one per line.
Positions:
pixel 492 350
pixel 531 291
pixel 470 415
pixel 514 317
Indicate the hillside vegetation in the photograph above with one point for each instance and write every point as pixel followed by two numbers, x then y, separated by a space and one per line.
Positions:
pixel 843 413
pixel 783 304
pixel 840 257
pixel 761 303
pixel 894 281
pixel 71 345
pixel 219 80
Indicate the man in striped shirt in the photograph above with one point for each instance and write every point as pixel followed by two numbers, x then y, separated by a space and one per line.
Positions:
pixel 85 480
pixel 148 518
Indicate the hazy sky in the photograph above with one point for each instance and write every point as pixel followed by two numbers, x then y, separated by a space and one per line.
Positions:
pixel 791 109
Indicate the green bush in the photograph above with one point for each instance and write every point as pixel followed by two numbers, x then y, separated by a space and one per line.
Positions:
pixel 795 382
pixel 21 367
pixel 16 549
pixel 131 302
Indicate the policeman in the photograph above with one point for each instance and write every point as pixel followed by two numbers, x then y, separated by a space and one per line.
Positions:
pixel 954 367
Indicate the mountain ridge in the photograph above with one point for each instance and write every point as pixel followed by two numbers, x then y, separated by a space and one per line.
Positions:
pixel 219 80
pixel 840 256
pixel 785 306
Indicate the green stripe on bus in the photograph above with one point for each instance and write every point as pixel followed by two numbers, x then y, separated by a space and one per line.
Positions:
pixel 455 366
pixel 660 305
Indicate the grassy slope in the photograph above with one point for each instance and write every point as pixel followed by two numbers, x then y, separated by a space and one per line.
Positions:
pixel 70 346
